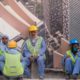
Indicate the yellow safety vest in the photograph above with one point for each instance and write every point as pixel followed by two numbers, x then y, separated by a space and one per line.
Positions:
pixel 1 52
pixel 34 49
pixel 69 53
pixel 13 66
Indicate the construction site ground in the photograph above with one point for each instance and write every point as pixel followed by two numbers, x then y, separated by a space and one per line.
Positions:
pixel 50 75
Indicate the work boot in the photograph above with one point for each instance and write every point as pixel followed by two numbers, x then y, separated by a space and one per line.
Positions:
pixel 6 78
pixel 67 76
pixel 20 78
pixel 41 77
pixel 1 73
pixel 75 76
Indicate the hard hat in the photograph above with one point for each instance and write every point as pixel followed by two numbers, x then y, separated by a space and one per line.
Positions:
pixel 33 28
pixel 74 41
pixel 12 44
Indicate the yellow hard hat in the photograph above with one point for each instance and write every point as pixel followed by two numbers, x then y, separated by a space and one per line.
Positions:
pixel 12 44
pixel 33 28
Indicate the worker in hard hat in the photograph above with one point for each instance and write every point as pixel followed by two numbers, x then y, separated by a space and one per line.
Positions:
pixel 34 49
pixel 71 60
pixel 3 47
pixel 3 43
pixel 12 66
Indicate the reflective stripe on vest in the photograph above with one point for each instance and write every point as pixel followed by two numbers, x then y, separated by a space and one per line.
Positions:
pixel 34 49
pixel 71 56
pixel 13 66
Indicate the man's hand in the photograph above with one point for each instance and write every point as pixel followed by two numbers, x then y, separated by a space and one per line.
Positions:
pixel 31 58
pixel 35 57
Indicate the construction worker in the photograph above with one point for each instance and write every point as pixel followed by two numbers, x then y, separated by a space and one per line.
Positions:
pixel 11 59
pixel 34 50
pixel 3 43
pixel 3 47
pixel 71 60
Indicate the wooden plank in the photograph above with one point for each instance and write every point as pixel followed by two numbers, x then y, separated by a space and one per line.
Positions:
pixel 53 69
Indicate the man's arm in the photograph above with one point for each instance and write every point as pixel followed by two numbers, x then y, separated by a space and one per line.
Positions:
pixel 63 59
pixel 26 52
pixel 43 48
pixel 2 58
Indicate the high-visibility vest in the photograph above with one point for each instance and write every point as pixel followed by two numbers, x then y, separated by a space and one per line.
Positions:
pixel 12 66
pixel 34 49
pixel 69 53
pixel 1 52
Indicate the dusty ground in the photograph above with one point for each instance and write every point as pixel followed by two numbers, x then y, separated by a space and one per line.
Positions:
pixel 48 76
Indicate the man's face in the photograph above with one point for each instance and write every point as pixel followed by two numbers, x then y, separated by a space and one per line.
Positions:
pixel 33 33
pixel 74 47
pixel 5 40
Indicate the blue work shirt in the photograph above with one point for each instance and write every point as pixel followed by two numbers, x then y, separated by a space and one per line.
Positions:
pixel 65 55
pixel 26 51
pixel 3 47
